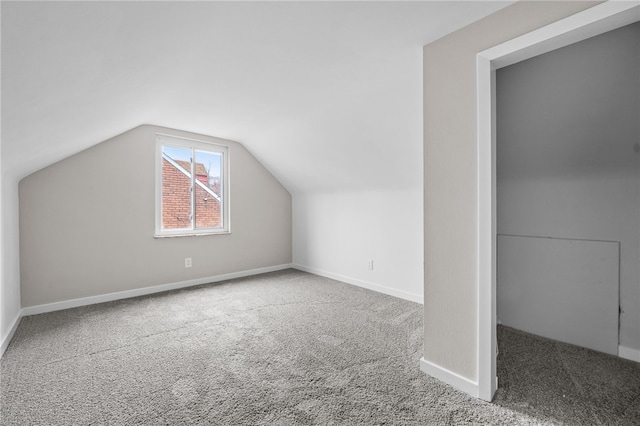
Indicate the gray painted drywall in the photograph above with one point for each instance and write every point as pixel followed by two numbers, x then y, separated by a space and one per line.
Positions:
pixel 450 178
pixel 568 166
pixel 562 289
pixel 87 223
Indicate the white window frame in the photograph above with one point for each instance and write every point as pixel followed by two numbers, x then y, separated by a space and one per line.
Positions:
pixel 182 142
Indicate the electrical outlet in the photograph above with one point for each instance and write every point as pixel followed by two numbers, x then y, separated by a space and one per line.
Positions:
pixel 187 262
pixel 370 264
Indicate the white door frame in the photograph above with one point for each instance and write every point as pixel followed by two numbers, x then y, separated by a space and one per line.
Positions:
pixel 599 19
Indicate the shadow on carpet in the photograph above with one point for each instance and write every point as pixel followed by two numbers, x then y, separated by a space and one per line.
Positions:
pixel 565 384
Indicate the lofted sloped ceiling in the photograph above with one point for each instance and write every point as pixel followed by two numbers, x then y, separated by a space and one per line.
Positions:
pixel 327 95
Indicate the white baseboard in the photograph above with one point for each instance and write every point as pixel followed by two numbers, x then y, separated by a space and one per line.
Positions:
pixel 7 339
pixel 629 353
pixel 109 297
pixel 417 298
pixel 461 383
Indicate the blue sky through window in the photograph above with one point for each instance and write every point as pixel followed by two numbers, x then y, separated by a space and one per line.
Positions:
pixel 210 160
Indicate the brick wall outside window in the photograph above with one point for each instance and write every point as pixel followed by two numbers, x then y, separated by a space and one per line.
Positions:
pixel 176 202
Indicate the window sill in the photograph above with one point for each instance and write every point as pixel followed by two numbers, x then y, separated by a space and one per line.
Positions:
pixel 199 234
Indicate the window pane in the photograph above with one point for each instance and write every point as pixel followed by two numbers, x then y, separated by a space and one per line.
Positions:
pixel 208 167
pixel 176 187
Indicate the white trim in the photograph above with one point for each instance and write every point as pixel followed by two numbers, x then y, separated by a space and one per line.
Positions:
pixel 449 377
pixel 486 285
pixel 109 297
pixel 7 339
pixel 188 141
pixel 629 353
pixel 591 22
pixel 191 234
pixel 588 23
pixel 412 297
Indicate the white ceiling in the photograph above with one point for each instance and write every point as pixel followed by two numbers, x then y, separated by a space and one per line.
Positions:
pixel 327 95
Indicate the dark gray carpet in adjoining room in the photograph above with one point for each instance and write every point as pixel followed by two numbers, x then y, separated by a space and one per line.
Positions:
pixel 566 384
pixel 284 348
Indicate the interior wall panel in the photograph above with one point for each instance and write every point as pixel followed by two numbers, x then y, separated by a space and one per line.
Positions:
pixel 563 289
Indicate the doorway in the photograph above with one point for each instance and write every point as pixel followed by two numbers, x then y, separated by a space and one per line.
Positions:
pixel 592 22
pixel 568 191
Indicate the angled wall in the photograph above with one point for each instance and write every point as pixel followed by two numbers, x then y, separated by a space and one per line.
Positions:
pixel 451 184
pixel 87 223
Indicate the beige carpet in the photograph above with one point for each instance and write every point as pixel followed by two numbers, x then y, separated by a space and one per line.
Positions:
pixel 285 348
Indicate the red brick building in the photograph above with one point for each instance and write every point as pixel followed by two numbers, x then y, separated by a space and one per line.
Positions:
pixel 176 196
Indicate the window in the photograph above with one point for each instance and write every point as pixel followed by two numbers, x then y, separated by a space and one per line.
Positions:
pixel 191 187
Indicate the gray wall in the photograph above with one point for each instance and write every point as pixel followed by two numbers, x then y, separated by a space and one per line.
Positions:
pixel 562 289
pixel 568 133
pixel 87 223
pixel 450 178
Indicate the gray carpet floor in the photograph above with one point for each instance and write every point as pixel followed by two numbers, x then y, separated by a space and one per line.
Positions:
pixel 285 348
pixel 565 384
